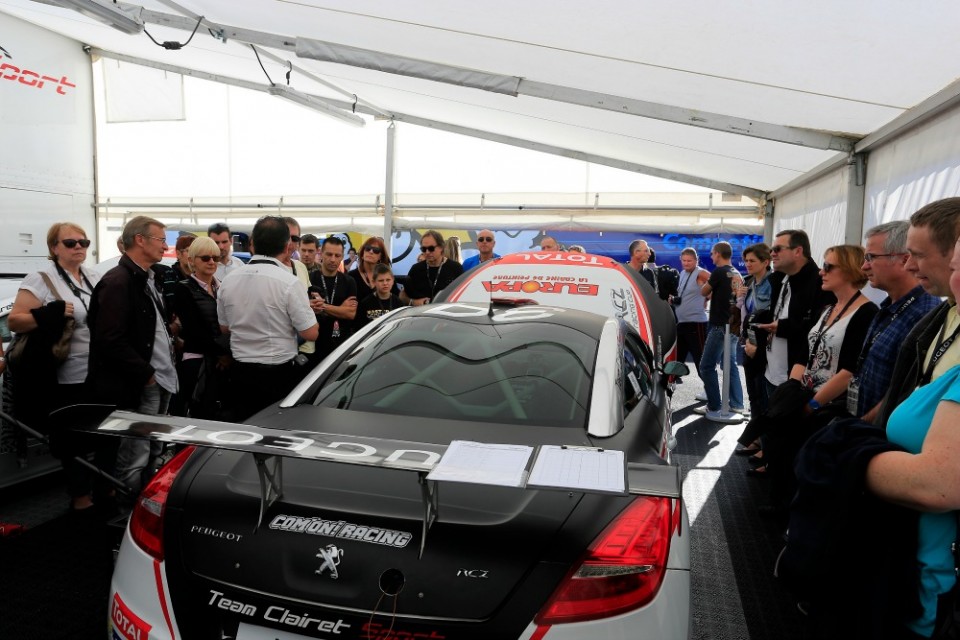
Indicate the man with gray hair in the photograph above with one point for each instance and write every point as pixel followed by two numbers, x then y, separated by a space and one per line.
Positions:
pixel 932 347
pixel 131 347
pixel 905 305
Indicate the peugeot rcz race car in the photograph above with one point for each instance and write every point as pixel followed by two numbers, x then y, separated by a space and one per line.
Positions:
pixel 326 517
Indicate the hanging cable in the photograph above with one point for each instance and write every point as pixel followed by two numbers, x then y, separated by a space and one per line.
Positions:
pixel 256 53
pixel 173 45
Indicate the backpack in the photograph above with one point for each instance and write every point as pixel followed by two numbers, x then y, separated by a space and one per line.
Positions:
pixel 668 281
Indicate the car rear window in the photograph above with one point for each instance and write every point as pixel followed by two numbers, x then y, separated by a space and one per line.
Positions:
pixel 512 372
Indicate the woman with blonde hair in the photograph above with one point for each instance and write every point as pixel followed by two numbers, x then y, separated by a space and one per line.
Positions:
pixel 48 300
pixel 206 351
pixel 451 249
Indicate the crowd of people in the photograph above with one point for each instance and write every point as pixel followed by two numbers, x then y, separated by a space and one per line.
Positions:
pixel 214 338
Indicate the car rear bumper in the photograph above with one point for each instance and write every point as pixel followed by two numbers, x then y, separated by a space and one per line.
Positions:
pixel 139 606
pixel 666 618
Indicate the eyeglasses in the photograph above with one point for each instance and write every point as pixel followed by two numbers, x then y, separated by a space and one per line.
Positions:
pixel 294 238
pixel 870 257
pixel 160 238
pixel 70 243
pixel 485 239
pixel 208 258
pixel 425 249
pixel 827 267
pixel 375 250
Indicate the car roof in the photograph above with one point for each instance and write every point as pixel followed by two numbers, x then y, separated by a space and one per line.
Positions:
pixel 497 313
pixel 580 281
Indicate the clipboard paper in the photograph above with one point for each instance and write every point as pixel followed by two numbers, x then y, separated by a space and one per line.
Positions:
pixel 579 469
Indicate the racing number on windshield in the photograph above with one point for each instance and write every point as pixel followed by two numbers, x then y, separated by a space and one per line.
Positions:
pixel 455 310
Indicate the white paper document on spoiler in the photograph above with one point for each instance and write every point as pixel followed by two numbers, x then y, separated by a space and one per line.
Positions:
pixel 580 469
pixel 482 463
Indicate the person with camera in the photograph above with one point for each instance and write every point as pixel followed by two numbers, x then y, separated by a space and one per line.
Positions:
pixel 690 307
pixel 264 307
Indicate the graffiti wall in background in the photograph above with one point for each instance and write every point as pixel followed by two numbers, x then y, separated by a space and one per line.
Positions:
pixel 406 244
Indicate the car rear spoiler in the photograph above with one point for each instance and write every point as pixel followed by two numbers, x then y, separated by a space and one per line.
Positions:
pixel 269 447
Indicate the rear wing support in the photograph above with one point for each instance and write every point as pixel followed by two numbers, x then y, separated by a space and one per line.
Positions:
pixel 271 483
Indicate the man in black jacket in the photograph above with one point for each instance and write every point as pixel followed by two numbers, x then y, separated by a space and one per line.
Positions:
pixel 798 304
pixel 131 349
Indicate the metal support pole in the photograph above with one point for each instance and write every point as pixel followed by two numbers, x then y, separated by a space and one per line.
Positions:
pixel 725 389
pixel 389 188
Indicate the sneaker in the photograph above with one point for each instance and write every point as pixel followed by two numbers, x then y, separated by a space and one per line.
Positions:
pixel 715 416
pixel 701 410
pixel 701 397
pixel 741 410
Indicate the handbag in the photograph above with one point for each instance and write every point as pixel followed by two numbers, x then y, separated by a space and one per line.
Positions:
pixel 60 349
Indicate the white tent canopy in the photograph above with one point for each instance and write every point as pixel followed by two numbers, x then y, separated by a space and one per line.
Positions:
pixel 750 98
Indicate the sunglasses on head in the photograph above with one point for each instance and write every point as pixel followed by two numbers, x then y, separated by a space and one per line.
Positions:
pixel 425 249
pixel 485 239
pixel 70 243
pixel 374 249
pixel 208 258
pixel 294 238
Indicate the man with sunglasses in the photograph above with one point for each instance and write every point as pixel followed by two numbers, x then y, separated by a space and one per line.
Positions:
pixel 132 363
pixel 427 278
pixel 485 244
pixel 799 298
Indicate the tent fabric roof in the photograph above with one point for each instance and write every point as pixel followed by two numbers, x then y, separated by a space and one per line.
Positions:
pixel 844 68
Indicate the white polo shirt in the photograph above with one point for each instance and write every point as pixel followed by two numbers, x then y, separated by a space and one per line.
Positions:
pixel 232 265
pixel 265 306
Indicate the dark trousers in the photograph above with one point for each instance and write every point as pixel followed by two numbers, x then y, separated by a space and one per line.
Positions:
pixel 255 387
pixel 691 336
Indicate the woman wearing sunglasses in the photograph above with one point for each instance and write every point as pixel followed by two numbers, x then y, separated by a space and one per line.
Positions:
pixel 46 299
pixel 372 253
pixel 834 345
pixel 206 351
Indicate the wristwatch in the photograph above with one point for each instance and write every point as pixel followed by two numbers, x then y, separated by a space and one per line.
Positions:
pixel 814 404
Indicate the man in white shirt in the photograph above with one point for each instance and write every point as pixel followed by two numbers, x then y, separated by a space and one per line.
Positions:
pixel 220 233
pixel 265 307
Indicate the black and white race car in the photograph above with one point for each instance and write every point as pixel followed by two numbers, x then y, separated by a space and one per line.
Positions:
pixel 327 517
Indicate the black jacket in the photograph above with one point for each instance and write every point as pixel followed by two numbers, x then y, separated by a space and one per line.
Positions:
pixel 807 299
pixel 851 556
pixel 908 367
pixel 122 321
pixel 200 328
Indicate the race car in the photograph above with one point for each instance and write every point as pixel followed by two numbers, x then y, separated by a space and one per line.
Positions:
pixel 326 517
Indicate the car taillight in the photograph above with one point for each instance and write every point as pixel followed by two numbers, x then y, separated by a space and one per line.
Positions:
pixel 146 522
pixel 622 570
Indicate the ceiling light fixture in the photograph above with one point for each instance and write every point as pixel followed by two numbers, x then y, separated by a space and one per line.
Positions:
pixel 110 13
pixel 310 102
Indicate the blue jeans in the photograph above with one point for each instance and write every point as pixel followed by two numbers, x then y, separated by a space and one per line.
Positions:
pixel 135 456
pixel 713 356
